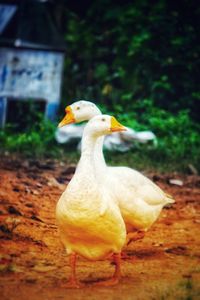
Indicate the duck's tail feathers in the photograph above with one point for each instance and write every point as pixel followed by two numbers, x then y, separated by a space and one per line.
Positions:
pixel 169 198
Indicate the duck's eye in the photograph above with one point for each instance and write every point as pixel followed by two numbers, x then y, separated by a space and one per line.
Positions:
pixel 103 119
pixel 78 107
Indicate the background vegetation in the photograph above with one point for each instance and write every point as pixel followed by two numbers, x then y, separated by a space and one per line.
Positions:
pixel 138 60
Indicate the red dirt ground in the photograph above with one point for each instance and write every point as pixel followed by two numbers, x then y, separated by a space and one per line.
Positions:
pixel 33 264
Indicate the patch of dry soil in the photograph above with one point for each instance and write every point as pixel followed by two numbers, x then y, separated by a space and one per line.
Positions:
pixel 165 264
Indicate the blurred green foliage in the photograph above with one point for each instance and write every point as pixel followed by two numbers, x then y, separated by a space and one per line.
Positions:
pixel 124 53
pixel 138 60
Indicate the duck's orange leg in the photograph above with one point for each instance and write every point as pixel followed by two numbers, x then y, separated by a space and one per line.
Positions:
pixel 117 261
pixel 72 283
pixel 117 274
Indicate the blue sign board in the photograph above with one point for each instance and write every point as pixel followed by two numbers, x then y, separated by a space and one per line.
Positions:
pixel 31 74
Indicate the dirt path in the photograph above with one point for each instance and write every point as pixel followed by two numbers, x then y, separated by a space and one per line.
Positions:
pixel 33 264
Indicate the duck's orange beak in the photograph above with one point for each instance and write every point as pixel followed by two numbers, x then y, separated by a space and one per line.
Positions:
pixel 116 126
pixel 68 118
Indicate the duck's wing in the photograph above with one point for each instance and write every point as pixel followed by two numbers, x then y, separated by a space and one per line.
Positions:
pixel 141 186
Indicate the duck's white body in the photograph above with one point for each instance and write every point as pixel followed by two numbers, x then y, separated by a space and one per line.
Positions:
pixel 89 220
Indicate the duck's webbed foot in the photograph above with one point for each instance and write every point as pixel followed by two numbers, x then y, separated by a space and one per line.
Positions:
pixel 109 282
pixel 72 284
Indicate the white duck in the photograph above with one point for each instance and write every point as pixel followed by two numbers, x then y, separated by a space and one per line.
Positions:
pixel 89 220
pixel 139 199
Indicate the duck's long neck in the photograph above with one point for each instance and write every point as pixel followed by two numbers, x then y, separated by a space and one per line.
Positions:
pixel 86 162
pixel 99 159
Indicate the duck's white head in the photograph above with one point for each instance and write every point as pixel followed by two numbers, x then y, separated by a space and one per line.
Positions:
pixel 103 125
pixel 78 112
